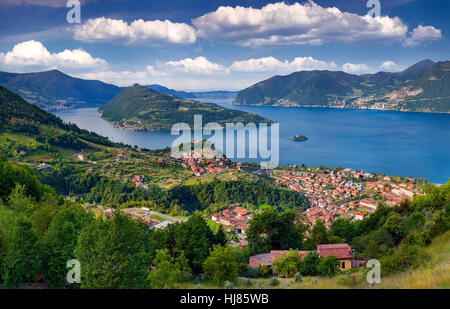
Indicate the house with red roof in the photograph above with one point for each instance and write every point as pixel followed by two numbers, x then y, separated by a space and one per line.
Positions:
pixel 343 252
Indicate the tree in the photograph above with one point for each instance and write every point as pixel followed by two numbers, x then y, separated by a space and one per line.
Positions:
pixel 309 265
pixel 194 238
pixel 221 264
pixel 288 264
pixel 21 261
pixel 328 266
pixel 342 228
pixel 168 270
pixel 319 233
pixel 270 230
pixel 220 236
pixel 114 253
pixel 59 243
pixel 395 225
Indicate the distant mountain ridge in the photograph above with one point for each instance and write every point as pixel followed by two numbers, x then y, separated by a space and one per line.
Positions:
pixel 423 87
pixel 54 90
pixel 141 108
pixel 223 94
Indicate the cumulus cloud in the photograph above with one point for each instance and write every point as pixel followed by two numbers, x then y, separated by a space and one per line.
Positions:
pixel 271 64
pixel 32 54
pixel 125 78
pixel 285 24
pixel 353 68
pixel 138 32
pixel 389 66
pixel 422 34
pixel 199 65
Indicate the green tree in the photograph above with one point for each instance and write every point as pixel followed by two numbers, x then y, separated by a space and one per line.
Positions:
pixel 328 266
pixel 288 264
pixel 194 238
pixel 59 243
pixel 168 270
pixel 342 228
pixel 114 253
pixel 221 264
pixel 395 225
pixel 319 233
pixel 309 265
pixel 21 261
pixel 220 237
pixel 270 230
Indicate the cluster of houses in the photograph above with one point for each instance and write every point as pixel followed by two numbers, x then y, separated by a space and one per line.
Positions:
pixel 234 219
pixel 394 190
pixel 332 193
pixel 343 253
pixel 137 180
pixel 130 126
pixel 200 164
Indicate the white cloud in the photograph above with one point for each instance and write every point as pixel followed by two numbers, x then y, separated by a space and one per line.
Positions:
pixel 423 34
pixel 124 78
pixel 271 64
pixel 356 68
pixel 199 65
pixel 154 32
pixel 285 24
pixel 389 66
pixel 32 54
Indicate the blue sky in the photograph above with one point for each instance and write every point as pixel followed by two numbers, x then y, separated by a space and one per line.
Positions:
pixel 218 44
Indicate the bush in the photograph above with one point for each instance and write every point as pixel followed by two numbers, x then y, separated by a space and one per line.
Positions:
pixel 228 285
pixel 221 264
pixel 274 282
pixel 408 257
pixel 309 265
pixel 251 272
pixel 264 270
pixel 328 266
pixel 249 283
pixel 298 277
pixel 288 264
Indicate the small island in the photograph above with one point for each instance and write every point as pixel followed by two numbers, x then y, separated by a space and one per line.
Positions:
pixel 299 138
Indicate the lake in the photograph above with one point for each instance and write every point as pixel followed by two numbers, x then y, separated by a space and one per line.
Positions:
pixel 395 143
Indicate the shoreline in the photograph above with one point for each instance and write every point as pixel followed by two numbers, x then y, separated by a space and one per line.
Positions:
pixel 340 107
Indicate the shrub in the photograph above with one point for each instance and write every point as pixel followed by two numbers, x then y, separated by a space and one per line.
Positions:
pixel 274 282
pixel 264 270
pixel 288 264
pixel 251 272
pixel 328 266
pixel 228 285
pixel 298 277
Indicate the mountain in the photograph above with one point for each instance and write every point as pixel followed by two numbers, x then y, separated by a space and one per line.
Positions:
pixel 162 89
pixel 28 131
pixel 139 107
pixel 422 87
pixel 54 90
pixel 195 95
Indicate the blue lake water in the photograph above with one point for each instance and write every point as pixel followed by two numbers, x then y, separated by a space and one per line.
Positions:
pixel 395 143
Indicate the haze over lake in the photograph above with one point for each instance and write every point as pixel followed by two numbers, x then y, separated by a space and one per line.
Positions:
pixel 395 143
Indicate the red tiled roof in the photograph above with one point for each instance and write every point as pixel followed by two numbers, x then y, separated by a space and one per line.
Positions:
pixel 340 251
